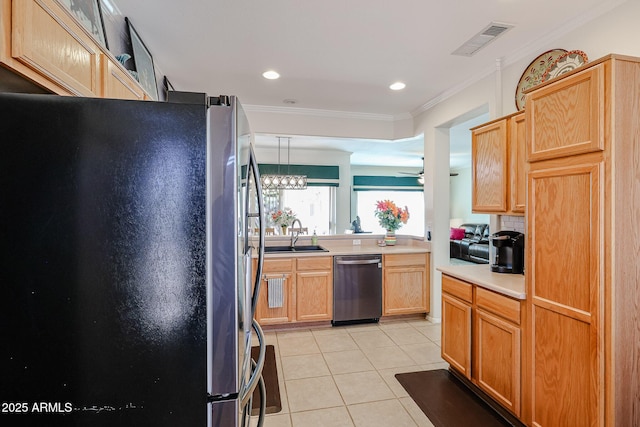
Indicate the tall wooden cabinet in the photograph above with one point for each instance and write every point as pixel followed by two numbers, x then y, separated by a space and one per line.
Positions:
pixel 583 239
pixel 499 166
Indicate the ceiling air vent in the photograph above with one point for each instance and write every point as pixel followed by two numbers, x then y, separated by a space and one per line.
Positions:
pixel 483 38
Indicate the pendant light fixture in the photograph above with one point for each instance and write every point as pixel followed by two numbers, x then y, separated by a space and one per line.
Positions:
pixel 284 181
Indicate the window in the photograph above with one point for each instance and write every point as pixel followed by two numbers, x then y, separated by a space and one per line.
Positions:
pixel 414 200
pixel 313 206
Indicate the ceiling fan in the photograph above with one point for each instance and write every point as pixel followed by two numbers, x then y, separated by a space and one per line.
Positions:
pixel 420 175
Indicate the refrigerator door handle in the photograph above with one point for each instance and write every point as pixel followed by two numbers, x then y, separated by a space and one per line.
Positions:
pixel 253 166
pixel 257 371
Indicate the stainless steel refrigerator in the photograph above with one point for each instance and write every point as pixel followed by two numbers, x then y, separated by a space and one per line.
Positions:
pixel 126 292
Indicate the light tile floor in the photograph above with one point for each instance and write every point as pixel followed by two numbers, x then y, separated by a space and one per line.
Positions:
pixel 345 376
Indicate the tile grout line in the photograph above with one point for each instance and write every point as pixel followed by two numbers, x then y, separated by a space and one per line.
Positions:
pixel 278 335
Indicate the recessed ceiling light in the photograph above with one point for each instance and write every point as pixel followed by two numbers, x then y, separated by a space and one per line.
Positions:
pixel 271 75
pixel 397 86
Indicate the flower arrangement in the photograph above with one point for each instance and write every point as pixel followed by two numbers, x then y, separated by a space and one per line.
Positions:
pixel 390 216
pixel 283 217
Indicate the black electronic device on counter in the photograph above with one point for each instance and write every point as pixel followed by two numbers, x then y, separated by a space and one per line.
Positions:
pixel 506 252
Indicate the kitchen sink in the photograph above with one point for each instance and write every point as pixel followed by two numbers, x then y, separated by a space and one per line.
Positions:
pixel 299 248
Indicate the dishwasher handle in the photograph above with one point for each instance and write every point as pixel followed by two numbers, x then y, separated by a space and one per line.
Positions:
pixel 358 261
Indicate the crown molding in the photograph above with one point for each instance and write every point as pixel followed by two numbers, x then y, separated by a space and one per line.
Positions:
pixel 325 113
pixel 528 50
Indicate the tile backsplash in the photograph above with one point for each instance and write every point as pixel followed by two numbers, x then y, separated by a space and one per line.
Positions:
pixel 515 223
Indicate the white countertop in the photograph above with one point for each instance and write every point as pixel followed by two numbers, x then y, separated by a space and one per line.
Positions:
pixel 343 245
pixel 511 285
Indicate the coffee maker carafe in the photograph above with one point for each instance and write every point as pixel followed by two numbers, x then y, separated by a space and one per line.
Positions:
pixel 506 252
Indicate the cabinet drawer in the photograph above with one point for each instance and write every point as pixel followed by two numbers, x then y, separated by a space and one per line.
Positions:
pixel 457 288
pixel 278 265
pixel 497 304
pixel 315 263
pixel 404 259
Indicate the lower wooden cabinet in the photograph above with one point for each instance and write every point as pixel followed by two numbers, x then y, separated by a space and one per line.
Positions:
pixel 307 290
pixel 498 369
pixel 308 287
pixel 456 333
pixel 482 339
pixel 314 288
pixel 276 269
pixel 405 284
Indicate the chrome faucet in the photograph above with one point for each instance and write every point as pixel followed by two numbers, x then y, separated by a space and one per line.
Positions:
pixel 295 232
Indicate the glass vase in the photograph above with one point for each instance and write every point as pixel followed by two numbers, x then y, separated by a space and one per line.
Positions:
pixel 390 238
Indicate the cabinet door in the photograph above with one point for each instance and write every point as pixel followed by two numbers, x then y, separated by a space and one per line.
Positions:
pixel 117 83
pixel 489 167
pixel 405 290
pixel 456 334
pixel 266 315
pixel 517 153
pixel 497 368
pixel 275 269
pixel 314 295
pixel 565 269
pixel 567 117
pixel 47 40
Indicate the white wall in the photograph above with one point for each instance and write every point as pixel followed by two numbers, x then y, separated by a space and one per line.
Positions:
pixel 460 202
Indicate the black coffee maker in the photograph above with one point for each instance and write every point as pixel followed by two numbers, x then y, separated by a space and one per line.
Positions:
pixel 506 252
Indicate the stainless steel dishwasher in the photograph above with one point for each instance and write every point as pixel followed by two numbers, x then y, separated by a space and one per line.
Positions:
pixel 357 288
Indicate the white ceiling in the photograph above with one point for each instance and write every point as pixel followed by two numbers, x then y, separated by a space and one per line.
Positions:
pixel 342 55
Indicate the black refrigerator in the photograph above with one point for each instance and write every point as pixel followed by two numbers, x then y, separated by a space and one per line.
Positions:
pixel 126 291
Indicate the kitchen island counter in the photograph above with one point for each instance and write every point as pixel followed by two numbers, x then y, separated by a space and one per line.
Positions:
pixel 343 245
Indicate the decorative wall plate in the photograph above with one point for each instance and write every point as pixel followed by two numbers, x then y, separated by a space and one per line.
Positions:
pixel 532 75
pixel 565 63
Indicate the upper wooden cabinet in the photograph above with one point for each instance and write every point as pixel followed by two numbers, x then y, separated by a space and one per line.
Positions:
pixel 42 42
pixel 489 167
pixel 499 166
pixel 48 46
pixel 518 159
pixel 117 83
pixel 583 236
pixel 567 118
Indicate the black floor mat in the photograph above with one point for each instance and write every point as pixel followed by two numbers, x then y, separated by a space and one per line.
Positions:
pixel 447 402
